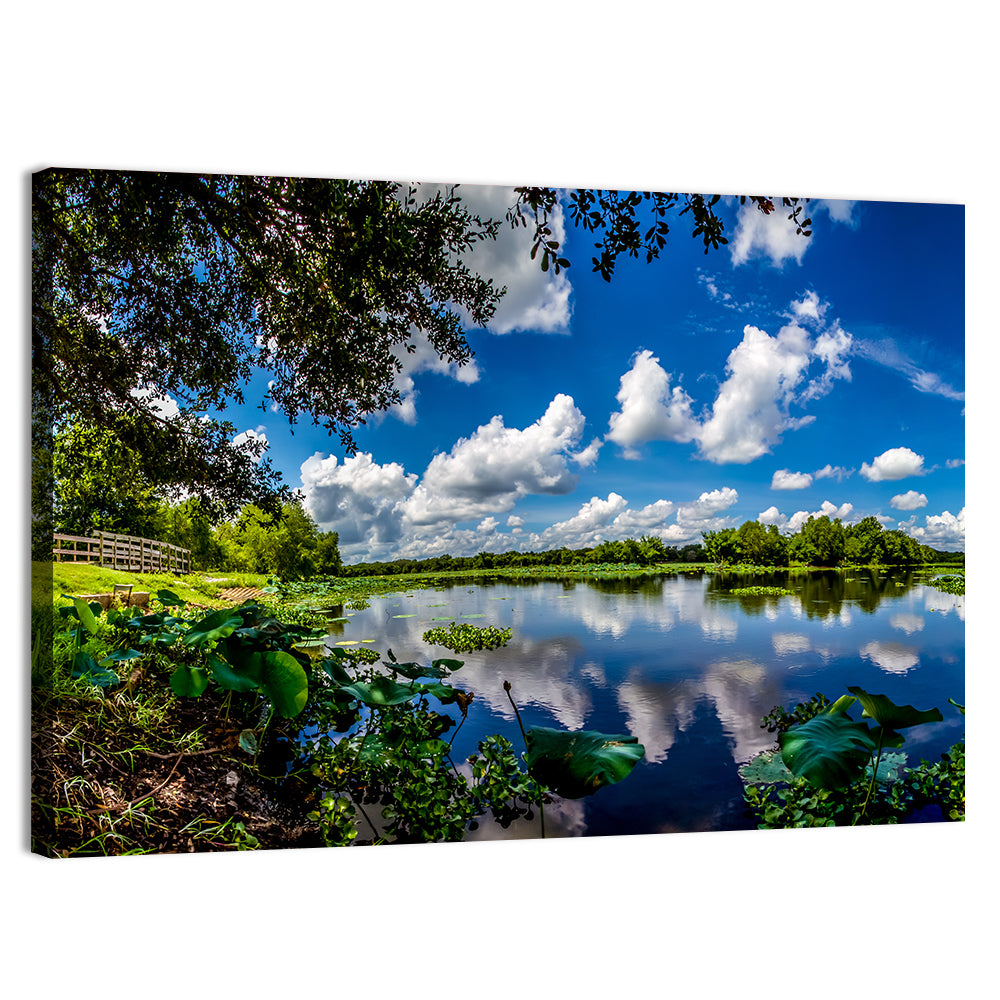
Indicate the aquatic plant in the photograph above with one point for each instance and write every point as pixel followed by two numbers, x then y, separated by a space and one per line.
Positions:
pixel 461 637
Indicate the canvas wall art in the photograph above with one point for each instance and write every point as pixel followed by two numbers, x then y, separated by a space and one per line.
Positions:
pixel 371 512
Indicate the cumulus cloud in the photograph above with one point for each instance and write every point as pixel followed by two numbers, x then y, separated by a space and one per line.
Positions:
pixel 358 498
pixel 954 463
pixel 611 519
pixel 258 436
pixel 809 307
pixel 772 516
pixel 765 378
pixel 773 235
pixel 826 508
pixel 536 300
pixel 785 480
pixel 942 531
pixel 911 500
pixel 650 409
pixel 896 463
pixel 751 411
pixel 489 471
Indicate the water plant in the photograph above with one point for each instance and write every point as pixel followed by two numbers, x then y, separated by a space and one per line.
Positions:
pixel 461 637
pixel 829 766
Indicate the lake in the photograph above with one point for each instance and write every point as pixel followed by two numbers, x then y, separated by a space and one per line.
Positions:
pixel 684 665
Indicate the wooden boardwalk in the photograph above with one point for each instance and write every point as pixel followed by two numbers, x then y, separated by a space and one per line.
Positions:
pixel 124 552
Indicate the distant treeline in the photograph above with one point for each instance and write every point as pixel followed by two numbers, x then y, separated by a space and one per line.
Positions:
pixel 646 551
pixel 819 542
pixel 822 542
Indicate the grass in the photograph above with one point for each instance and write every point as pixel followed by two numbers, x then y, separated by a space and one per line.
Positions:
pixel 81 578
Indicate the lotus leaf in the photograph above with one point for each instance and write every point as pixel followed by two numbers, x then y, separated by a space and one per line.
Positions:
pixel 828 750
pixel 576 764
pixel 217 625
pixel 380 692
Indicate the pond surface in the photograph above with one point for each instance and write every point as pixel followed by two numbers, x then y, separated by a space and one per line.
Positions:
pixel 685 666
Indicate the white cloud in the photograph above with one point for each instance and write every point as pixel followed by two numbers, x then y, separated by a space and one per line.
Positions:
pixel 773 235
pixel 650 409
pixel 358 498
pixel 809 307
pixel 248 435
pixel 954 463
pixel 785 480
pixel 772 516
pixel 911 500
pixel 536 300
pixel 589 454
pixel 828 471
pixel 492 469
pixel 515 522
pixel 896 463
pixel 752 409
pixel 942 531
pixel 892 657
pixel 830 510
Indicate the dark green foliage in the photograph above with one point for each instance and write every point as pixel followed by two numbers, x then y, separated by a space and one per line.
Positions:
pixel 156 285
pixel 779 719
pixel 949 584
pixel 831 766
pixel 575 764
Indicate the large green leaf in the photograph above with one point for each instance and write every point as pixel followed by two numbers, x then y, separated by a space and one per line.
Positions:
pixel 231 679
pixel 217 625
pixel 890 715
pixel 382 691
pixel 829 750
pixel 86 668
pixel 85 614
pixel 189 682
pixel 285 682
pixel 576 764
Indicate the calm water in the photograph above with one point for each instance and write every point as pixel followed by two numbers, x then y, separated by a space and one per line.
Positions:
pixel 686 667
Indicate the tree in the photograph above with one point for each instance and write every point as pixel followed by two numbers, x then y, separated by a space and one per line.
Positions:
pixel 819 542
pixel 156 286
pixel 290 546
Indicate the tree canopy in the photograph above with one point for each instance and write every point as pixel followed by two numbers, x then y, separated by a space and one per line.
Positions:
pixel 157 286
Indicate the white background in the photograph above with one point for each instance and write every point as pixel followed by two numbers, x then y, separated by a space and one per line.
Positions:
pixel 857 100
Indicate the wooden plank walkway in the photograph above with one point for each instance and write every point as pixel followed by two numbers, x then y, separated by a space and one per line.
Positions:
pixel 237 595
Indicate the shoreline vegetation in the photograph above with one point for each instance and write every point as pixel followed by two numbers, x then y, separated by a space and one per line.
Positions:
pixel 123 765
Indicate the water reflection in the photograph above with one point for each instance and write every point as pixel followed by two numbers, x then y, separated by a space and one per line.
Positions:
pixel 686 667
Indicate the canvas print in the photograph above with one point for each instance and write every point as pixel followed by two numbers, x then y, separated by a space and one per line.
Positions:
pixel 380 512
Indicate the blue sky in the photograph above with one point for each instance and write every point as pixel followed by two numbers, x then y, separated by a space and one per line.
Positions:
pixel 774 378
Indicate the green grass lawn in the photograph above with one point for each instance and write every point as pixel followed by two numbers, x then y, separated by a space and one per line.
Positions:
pixel 82 578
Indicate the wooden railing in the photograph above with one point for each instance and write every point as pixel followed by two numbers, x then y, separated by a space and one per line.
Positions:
pixel 124 552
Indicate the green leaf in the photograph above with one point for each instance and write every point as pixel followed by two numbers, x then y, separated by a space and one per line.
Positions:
pixel 828 750
pixel 890 715
pixel 169 599
pixel 448 664
pixel 285 682
pixel 382 691
pixel 119 655
pixel 576 764
pixel 189 682
pixel 218 625
pixel 85 615
pixel 248 741
pixel 230 679
pixel 85 668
